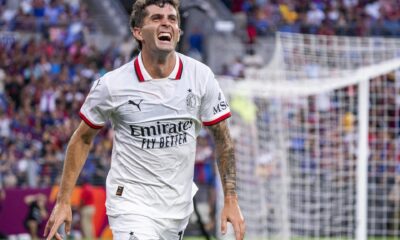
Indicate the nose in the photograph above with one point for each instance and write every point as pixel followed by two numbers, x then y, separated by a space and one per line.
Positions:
pixel 165 22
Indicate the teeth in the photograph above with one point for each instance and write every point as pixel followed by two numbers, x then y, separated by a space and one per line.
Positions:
pixel 165 35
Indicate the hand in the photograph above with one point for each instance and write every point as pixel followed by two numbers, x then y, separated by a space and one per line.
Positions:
pixel 231 213
pixel 61 213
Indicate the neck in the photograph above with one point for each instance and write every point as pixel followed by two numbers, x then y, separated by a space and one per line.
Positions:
pixel 158 65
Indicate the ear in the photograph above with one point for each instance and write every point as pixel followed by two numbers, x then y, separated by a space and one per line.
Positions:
pixel 180 34
pixel 137 33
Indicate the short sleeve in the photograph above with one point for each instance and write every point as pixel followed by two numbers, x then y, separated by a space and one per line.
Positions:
pixel 96 109
pixel 214 107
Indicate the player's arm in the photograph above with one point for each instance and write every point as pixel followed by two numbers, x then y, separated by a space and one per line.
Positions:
pixel 227 170
pixel 77 152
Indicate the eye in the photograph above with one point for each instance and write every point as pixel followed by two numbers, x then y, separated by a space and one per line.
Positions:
pixel 172 19
pixel 156 18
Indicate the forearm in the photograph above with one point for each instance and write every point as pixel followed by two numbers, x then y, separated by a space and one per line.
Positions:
pixel 227 168
pixel 76 154
pixel 225 158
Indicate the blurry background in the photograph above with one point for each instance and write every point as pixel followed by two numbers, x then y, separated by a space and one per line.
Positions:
pixel 52 50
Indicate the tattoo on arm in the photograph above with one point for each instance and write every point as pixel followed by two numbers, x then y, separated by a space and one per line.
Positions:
pixel 225 157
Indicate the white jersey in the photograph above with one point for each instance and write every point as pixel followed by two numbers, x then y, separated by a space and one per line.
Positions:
pixel 156 122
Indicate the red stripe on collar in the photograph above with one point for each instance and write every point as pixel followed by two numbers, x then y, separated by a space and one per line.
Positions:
pixel 137 70
pixel 180 69
pixel 140 75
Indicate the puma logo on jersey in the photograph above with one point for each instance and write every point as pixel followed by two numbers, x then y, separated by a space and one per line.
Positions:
pixel 136 104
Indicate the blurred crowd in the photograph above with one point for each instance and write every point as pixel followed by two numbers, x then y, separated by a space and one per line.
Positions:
pixel 64 20
pixel 328 17
pixel 42 86
pixel 47 66
pixel 46 74
pixel 43 83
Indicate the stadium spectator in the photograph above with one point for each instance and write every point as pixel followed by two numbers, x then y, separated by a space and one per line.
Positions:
pixel 35 80
pixel 196 40
pixel 100 159
pixel 205 175
pixel 87 210
pixel 236 69
pixel 314 18
pixel 36 213
pixel 252 59
pixel 349 17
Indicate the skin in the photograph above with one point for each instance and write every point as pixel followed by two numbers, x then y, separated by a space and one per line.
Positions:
pixel 227 170
pixel 159 60
pixel 158 56
pixel 77 152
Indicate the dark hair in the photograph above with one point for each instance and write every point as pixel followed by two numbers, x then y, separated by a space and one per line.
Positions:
pixel 139 12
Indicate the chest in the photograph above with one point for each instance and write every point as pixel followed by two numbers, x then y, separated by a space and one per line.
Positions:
pixel 157 99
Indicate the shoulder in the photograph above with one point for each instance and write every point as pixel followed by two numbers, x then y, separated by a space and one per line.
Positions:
pixel 194 66
pixel 119 73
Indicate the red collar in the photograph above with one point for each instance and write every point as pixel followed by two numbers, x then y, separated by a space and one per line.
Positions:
pixel 142 74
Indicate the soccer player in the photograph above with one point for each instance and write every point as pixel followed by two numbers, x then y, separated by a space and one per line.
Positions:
pixel 157 104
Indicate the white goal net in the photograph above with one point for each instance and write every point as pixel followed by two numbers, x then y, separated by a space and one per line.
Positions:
pixel 317 139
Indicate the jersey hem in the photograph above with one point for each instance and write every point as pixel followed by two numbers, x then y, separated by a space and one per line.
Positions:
pixel 88 122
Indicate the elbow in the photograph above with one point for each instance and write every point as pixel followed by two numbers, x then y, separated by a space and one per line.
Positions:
pixel 84 139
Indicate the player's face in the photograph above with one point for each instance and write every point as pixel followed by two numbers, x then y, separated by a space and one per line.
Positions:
pixel 160 30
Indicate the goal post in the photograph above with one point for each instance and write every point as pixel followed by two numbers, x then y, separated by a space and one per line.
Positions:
pixel 362 162
pixel 317 139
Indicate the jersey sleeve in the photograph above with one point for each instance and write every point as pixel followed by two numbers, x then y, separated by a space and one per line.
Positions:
pixel 96 109
pixel 214 107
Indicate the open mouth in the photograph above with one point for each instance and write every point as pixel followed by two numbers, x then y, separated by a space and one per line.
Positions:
pixel 164 37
